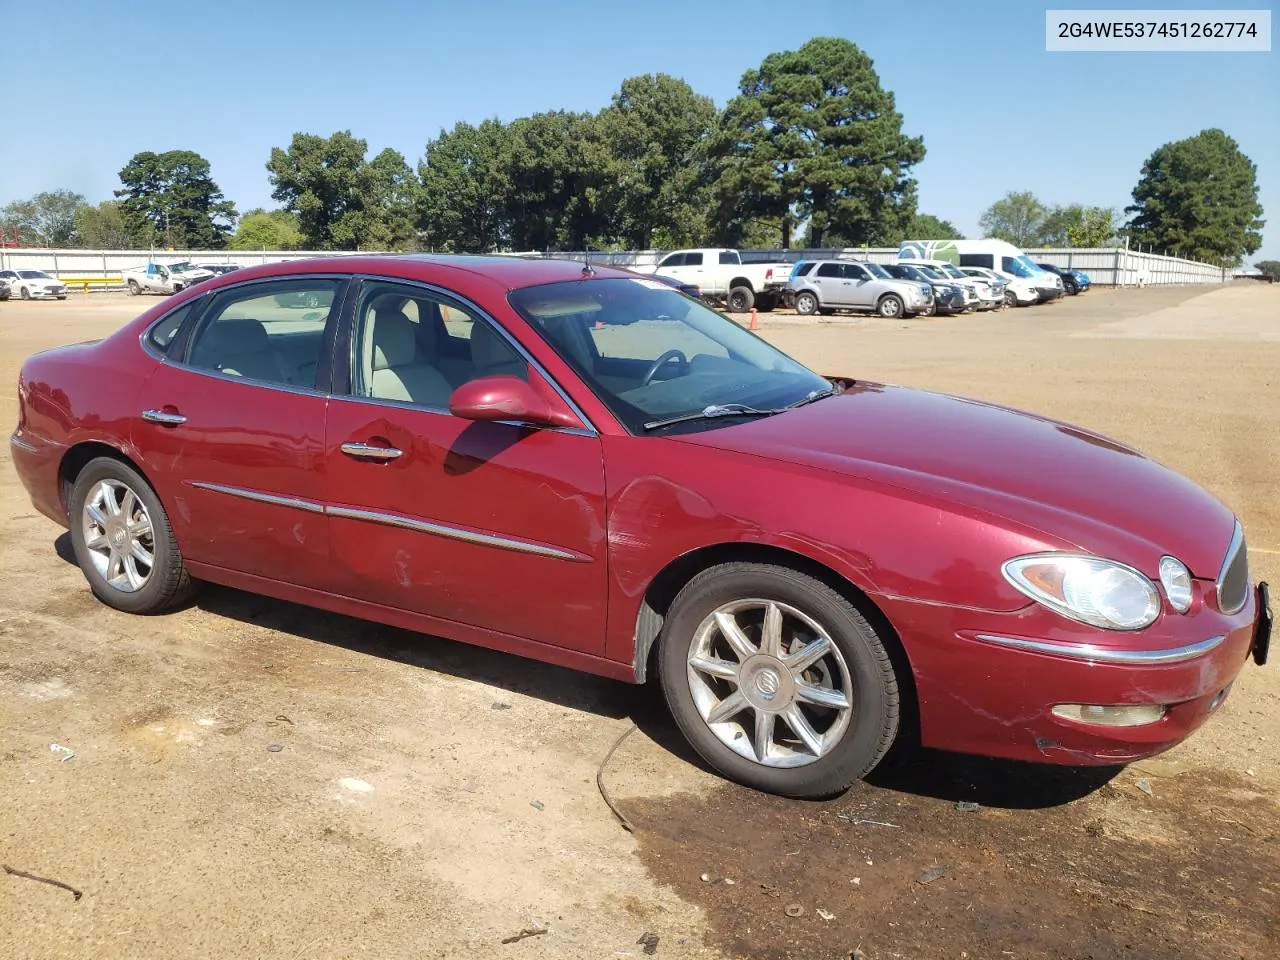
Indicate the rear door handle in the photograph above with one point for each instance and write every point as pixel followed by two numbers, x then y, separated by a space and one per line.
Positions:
pixel 161 417
pixel 365 452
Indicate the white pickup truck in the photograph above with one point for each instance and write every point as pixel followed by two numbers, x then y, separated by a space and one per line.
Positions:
pixel 163 278
pixel 720 274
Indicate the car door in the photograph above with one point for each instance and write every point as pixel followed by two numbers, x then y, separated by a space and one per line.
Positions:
pixel 494 525
pixel 231 425
pixel 859 290
pixel 828 280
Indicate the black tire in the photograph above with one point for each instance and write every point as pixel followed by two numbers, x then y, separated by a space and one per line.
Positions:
pixel 134 289
pixel 168 584
pixel 1071 288
pixel 1010 299
pixel 875 697
pixel 806 304
pixel 63 297
pixel 766 302
pixel 890 307
pixel 26 294
pixel 741 300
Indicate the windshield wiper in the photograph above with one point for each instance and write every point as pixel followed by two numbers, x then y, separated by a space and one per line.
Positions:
pixel 713 412
pixel 811 397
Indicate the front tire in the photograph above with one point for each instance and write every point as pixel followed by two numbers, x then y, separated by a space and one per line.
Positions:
pixel 123 540
pixel 1010 299
pixel 26 294
pixel 778 681
pixel 741 300
pixel 806 304
pixel 890 307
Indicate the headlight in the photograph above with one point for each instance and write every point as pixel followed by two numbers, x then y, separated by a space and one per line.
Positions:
pixel 1176 580
pixel 1098 592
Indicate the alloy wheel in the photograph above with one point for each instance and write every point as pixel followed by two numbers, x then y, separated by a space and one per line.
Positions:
pixel 118 535
pixel 770 683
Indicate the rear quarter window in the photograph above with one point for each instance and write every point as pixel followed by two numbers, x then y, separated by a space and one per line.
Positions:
pixel 162 334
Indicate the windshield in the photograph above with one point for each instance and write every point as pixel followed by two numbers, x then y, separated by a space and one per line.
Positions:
pixel 650 353
pixel 180 267
pixel 908 272
pixel 1020 267
pixel 949 270
pixel 877 271
pixel 34 275
pixel 928 273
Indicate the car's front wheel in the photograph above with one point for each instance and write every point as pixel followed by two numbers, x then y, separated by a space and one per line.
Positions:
pixel 890 306
pixel 26 294
pixel 1010 299
pixel 777 680
pixel 123 541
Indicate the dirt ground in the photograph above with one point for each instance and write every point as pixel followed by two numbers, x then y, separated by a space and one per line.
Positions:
pixel 255 779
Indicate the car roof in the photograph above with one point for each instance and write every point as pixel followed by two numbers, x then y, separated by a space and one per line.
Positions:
pixel 510 272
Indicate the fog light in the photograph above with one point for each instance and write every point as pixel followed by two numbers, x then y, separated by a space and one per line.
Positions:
pixel 1120 715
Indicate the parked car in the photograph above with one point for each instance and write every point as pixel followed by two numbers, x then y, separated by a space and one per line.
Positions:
pixel 823 286
pixel 948 296
pixel 218 269
pixel 34 285
pixel 722 275
pixel 1069 283
pixel 998 255
pixel 800 561
pixel 4 289
pixel 1017 291
pixel 977 293
pixel 688 289
pixel 166 278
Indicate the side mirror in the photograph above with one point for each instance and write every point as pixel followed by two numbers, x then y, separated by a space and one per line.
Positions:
pixel 506 397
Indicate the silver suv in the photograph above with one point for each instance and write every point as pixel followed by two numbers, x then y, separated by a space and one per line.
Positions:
pixel 823 286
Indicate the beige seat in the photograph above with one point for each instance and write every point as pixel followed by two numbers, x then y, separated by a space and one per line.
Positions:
pixel 492 355
pixel 396 371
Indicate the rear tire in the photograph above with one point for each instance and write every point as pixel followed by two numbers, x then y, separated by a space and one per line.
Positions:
pixel 134 289
pixel 806 304
pixel 123 540
pixel 741 300
pixel 844 702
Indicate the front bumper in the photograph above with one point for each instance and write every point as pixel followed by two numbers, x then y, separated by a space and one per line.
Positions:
pixel 47 293
pixel 996 699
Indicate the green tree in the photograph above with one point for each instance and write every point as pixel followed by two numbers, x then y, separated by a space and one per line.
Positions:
pixel 555 170
pixel 1270 268
pixel 171 198
pixel 813 136
pixel 103 227
pixel 46 220
pixel 260 229
pixel 1076 225
pixel 1198 198
pixel 389 190
pixel 656 131
pixel 1017 217
pixel 343 201
pixel 462 199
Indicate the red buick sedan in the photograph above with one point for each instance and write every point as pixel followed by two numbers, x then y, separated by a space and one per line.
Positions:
pixel 586 467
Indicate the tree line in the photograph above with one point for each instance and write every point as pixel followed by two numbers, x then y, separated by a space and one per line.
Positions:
pixel 810 152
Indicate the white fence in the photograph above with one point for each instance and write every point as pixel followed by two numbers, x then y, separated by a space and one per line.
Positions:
pixel 1106 266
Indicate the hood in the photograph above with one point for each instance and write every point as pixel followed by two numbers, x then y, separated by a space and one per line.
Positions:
pixel 1072 486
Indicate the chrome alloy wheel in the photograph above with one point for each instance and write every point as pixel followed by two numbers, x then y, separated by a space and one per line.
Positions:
pixel 770 683
pixel 118 535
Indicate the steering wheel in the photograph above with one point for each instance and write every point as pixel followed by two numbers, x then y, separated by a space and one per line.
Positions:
pixel 657 365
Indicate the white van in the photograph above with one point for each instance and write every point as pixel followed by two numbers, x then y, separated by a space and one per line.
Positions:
pixel 1027 281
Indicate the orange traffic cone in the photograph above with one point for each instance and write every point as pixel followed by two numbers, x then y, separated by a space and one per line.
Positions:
pixel 755 319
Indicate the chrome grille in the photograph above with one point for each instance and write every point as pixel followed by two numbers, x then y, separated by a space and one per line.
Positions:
pixel 1233 579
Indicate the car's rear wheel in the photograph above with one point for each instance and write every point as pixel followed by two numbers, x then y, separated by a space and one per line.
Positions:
pixel 806 304
pixel 134 289
pixel 123 540
pixel 741 300
pixel 777 681
pixel 890 306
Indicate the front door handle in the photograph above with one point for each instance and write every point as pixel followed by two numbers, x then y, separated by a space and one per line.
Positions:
pixel 163 417
pixel 365 452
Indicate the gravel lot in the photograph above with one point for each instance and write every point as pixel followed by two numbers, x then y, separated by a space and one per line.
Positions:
pixel 429 799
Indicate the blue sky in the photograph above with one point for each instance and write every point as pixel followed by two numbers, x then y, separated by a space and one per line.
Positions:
pixel 233 78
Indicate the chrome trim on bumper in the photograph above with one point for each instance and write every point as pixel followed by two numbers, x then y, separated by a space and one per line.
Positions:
pixel 1236 545
pixel 17 441
pixel 1095 654
pixel 453 533
pixel 310 506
